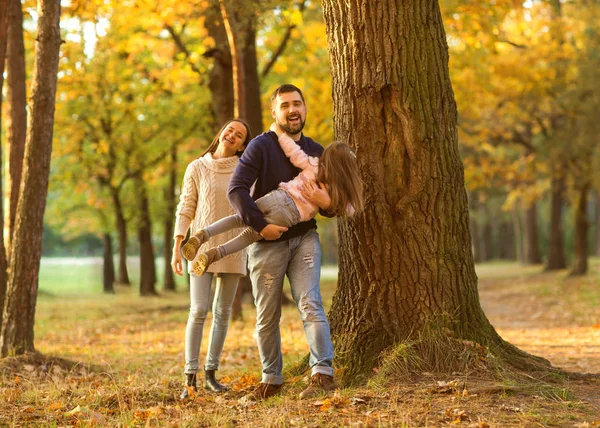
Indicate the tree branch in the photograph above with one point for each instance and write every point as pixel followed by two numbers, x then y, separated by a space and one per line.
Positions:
pixel 282 44
pixel 183 49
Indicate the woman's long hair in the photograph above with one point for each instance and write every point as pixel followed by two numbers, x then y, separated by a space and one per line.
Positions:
pixel 215 142
pixel 338 171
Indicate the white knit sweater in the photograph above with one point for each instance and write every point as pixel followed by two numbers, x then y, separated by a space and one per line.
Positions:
pixel 203 201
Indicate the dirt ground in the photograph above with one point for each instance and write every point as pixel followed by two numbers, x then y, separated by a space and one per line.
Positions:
pixel 544 314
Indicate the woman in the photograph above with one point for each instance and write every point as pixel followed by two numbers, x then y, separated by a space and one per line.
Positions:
pixel 203 201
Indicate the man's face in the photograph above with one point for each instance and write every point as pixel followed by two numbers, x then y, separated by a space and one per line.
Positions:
pixel 289 112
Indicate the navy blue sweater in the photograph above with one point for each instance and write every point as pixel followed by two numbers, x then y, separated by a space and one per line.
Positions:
pixel 265 162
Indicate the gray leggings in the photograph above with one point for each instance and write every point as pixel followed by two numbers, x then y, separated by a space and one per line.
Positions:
pixel 199 304
pixel 278 208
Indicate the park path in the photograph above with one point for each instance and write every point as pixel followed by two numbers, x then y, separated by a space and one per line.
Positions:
pixel 543 314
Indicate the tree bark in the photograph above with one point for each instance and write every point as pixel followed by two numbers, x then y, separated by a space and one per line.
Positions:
pixel 108 269
pixel 407 259
pixel 3 37
pixel 580 262
pixel 121 224
pixel 556 252
pixel 147 264
pixel 17 112
pixel 19 312
pixel 170 198
pixel 532 246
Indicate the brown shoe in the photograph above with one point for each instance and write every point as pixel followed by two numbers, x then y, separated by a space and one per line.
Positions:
pixel 319 383
pixel 203 261
pixel 189 250
pixel 261 392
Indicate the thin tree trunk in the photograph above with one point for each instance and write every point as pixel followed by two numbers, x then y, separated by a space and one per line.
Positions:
pixel 474 227
pixel 506 241
pixel 580 262
pixel 121 224
pixel 147 264
pixel 108 265
pixel 169 280
pixel 253 110
pixel 532 246
pixel 16 335
pixel 487 234
pixel 3 37
pixel 220 80
pixel 235 40
pixel 17 111
pixel 556 252
pixel 597 219
pixel 407 259
pixel 518 232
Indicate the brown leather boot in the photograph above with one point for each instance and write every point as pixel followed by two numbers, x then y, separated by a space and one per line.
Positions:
pixel 319 384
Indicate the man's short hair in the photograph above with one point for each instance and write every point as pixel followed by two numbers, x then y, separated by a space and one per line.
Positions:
pixel 284 89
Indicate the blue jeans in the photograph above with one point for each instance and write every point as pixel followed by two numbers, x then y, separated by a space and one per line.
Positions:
pixel 300 259
pixel 199 304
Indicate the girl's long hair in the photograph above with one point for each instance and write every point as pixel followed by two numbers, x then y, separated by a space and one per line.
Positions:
pixel 215 142
pixel 338 171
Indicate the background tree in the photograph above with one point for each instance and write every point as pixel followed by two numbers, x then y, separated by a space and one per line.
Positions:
pixel 16 334
pixel 17 111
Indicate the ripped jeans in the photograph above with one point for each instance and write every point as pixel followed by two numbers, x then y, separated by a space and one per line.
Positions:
pixel 300 259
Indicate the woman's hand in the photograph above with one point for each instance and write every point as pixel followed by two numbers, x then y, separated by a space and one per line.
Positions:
pixel 176 262
pixel 316 194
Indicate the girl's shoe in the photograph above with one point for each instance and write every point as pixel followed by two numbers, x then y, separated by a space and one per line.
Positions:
pixel 190 249
pixel 203 261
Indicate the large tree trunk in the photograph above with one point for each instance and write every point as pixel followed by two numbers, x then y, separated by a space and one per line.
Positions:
pixel 16 335
pixel 407 260
pixel 556 253
pixel 147 265
pixel 17 112
pixel 3 34
pixel 532 246
pixel 121 224
pixel 580 262
pixel 170 198
pixel 108 266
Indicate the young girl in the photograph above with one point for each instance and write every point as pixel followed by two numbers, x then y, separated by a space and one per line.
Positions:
pixel 336 175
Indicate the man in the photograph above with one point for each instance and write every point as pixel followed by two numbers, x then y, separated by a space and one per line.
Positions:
pixel 295 252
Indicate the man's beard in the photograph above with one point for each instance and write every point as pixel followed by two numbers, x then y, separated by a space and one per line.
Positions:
pixel 291 130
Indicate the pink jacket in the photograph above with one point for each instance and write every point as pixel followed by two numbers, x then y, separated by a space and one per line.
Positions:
pixel 309 166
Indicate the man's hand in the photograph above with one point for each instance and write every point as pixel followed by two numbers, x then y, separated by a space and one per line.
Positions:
pixel 271 232
pixel 316 194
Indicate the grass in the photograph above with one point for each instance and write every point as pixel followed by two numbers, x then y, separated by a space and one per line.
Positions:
pixel 116 360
